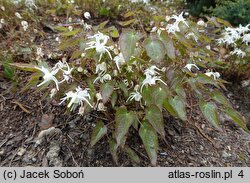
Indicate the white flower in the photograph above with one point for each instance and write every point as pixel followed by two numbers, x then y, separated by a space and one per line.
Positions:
pixel 152 71
pixel 2 21
pixel 135 95
pixel 189 67
pixel 87 27
pixel 119 60
pixel 238 52
pixel 77 98
pixel 83 55
pixel 136 1
pixel 178 19
pixel 246 38
pixel 216 75
pixel 69 19
pixel 99 44
pixel 101 107
pixel 98 96
pixel 81 110
pixel 151 76
pixel 70 28
pixel 25 25
pixel 101 68
pixel 48 76
pixel 79 69
pixel 52 92
pixel 158 30
pixel 192 35
pixel 3 8
pixel 18 15
pixel 243 30
pixel 64 67
pixel 172 28
pixel 30 3
pixel 87 15
pixel 208 47
pixel 39 52
pixel 103 78
pixel 201 23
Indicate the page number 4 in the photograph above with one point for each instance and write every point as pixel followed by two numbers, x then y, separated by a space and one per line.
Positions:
pixel 241 174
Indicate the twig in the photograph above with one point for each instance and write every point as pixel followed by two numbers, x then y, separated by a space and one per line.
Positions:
pixel 73 157
pixel 13 157
pixel 21 106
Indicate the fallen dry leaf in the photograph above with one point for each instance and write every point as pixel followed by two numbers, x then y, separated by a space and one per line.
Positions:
pixel 46 121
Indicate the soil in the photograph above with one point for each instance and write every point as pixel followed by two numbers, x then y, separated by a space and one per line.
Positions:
pixel 24 115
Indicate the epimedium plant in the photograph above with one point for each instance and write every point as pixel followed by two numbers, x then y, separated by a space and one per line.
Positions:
pixel 135 80
pixel 133 76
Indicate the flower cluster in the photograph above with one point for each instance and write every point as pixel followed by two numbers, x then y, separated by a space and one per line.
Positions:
pixel 174 27
pixel 49 74
pixel 99 44
pixel 152 75
pixel 234 37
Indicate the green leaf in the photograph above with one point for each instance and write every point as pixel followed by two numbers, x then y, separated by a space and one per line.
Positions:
pixel 99 131
pixel 179 106
pixel 204 79
pixel 209 110
pixel 169 45
pixel 24 66
pixel 159 96
pixel 169 108
pixel 132 155
pixel 237 118
pixel 155 118
pixel 155 49
pixel 150 141
pixel 71 33
pixel 113 32
pixel 147 95
pixel 114 99
pixel 124 120
pixel 106 91
pixel 128 22
pixel 220 98
pixel 127 42
pixel 128 14
pixel 113 147
pixel 8 71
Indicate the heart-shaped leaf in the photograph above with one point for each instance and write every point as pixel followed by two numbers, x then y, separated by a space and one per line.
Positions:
pixel 106 91
pixel 179 106
pixel 127 43
pixel 150 141
pixel 155 118
pixel 124 120
pixel 99 131
pixel 209 109
pixel 169 45
pixel 159 96
pixel 155 49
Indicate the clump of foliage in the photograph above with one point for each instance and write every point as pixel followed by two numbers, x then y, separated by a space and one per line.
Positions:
pixel 199 7
pixel 234 11
pixel 133 76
